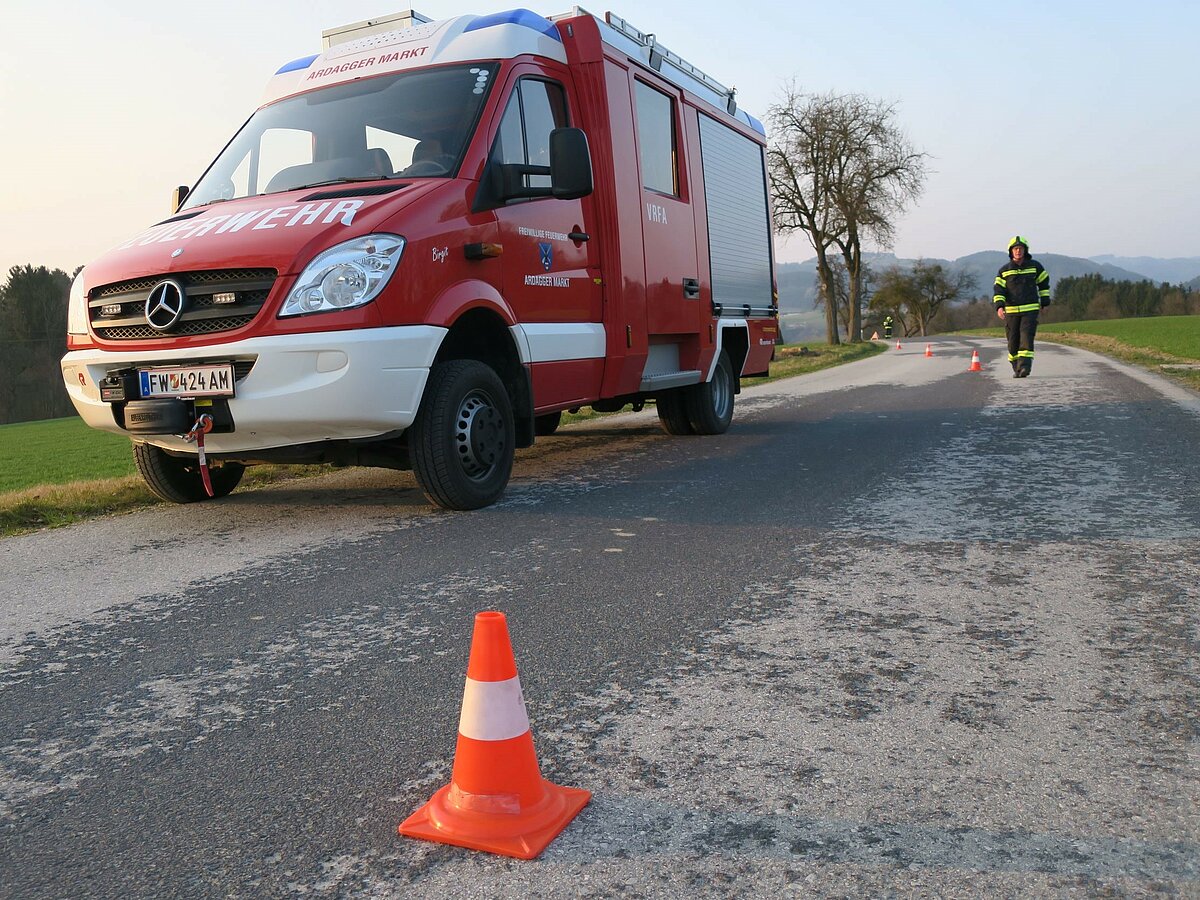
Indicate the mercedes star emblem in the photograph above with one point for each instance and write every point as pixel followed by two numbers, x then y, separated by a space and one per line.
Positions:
pixel 164 306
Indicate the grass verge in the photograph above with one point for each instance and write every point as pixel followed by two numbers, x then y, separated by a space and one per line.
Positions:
pixel 54 505
pixel 59 471
pixel 1181 370
pixel 791 359
pixel 1166 345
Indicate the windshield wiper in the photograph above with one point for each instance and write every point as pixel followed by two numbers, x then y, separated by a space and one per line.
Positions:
pixel 213 202
pixel 342 179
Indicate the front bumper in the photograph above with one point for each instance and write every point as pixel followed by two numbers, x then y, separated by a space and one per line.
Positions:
pixel 302 389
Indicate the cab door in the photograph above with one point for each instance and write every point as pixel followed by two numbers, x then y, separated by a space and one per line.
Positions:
pixel 668 224
pixel 550 273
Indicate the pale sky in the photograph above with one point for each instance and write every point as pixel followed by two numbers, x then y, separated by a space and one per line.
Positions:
pixel 1074 123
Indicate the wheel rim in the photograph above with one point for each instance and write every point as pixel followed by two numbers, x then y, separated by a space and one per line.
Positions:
pixel 479 435
pixel 721 394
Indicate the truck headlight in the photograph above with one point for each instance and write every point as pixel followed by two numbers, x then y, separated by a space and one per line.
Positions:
pixel 345 276
pixel 77 309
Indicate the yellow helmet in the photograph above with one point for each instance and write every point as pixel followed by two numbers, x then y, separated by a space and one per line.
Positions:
pixel 1018 240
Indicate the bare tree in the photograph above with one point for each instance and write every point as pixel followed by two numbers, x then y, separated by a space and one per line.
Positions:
pixel 801 170
pixel 876 181
pixel 849 312
pixel 840 170
pixel 915 298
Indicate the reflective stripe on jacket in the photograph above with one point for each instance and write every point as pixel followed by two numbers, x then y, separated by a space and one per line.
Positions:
pixel 1021 289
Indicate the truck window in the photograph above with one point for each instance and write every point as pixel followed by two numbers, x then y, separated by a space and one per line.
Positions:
pixel 399 147
pixel 535 109
pixel 278 149
pixel 656 140
pixel 409 125
pixel 281 148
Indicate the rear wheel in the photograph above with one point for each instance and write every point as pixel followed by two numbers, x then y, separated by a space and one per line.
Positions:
pixel 672 413
pixel 710 405
pixel 177 478
pixel 547 424
pixel 461 444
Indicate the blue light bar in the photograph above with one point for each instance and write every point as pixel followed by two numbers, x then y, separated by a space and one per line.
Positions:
pixel 298 64
pixel 523 17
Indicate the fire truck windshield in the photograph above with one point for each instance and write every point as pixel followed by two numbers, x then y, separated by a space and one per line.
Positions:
pixel 410 125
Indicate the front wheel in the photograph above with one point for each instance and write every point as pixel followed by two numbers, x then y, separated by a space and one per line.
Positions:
pixel 462 442
pixel 177 478
pixel 710 405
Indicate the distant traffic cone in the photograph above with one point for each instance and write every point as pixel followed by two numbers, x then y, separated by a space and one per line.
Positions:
pixel 929 349
pixel 897 343
pixel 497 799
pixel 975 366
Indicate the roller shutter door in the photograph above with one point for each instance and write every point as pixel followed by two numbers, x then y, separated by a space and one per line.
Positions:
pixel 739 232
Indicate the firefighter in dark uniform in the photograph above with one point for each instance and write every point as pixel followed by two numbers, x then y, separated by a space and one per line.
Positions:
pixel 887 327
pixel 1022 289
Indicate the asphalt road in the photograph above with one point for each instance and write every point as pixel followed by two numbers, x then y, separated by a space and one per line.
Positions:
pixel 905 630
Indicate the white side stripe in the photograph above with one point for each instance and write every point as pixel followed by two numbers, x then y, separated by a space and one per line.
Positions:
pixel 560 341
pixel 493 710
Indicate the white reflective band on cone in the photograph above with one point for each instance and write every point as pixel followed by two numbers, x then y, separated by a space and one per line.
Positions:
pixel 493 710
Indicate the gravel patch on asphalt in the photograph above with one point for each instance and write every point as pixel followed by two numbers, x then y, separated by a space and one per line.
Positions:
pixel 1027 726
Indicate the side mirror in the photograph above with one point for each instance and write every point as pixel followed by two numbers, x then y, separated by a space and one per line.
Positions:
pixel 508 181
pixel 570 173
pixel 178 196
pixel 570 164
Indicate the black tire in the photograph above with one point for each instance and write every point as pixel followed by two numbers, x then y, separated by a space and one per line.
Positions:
pixel 462 442
pixel 177 478
pixel 710 405
pixel 672 413
pixel 547 424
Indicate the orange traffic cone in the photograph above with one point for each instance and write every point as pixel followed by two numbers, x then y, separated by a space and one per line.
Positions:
pixel 975 366
pixel 897 343
pixel 497 799
pixel 929 349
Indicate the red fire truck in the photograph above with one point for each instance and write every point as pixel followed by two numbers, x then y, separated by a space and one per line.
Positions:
pixel 428 241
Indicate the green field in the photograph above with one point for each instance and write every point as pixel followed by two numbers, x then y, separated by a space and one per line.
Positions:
pixel 1175 335
pixel 58 451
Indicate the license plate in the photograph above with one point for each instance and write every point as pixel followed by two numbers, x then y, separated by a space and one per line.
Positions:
pixel 187 381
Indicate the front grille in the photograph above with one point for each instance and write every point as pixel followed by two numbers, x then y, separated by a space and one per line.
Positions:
pixel 184 329
pixel 201 315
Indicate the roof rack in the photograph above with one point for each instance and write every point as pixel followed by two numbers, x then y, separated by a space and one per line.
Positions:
pixel 658 54
pixel 646 47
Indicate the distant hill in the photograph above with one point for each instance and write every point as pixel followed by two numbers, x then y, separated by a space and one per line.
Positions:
pixel 1176 270
pixel 986 264
pixel 798 291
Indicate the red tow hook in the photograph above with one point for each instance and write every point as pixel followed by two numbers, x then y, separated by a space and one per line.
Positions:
pixel 204 424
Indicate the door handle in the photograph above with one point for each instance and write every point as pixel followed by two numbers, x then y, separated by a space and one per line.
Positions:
pixel 579 236
pixel 691 288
